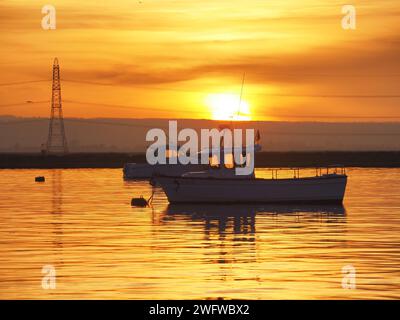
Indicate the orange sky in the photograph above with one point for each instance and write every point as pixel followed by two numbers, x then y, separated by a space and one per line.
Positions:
pixel 165 58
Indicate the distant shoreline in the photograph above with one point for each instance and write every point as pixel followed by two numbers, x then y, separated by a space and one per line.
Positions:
pixel 367 159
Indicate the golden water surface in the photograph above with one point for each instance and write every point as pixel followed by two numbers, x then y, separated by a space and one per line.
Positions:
pixel 81 223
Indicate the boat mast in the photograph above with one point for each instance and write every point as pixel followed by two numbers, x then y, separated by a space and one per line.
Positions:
pixel 232 126
pixel 240 100
pixel 241 94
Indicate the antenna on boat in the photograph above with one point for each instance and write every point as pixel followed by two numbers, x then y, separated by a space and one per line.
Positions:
pixel 241 94
pixel 240 100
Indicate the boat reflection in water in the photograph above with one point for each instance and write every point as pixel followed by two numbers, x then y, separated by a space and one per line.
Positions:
pixel 243 217
pixel 238 232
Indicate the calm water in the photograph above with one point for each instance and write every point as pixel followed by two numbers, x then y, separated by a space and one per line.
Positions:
pixel 81 222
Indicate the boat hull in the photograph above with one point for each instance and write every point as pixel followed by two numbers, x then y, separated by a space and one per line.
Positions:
pixel 323 189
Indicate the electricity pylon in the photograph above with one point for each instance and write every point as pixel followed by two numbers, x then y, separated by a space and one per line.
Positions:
pixel 56 141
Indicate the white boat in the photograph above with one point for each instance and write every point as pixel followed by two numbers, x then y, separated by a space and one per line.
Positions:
pixel 134 171
pixel 325 188
pixel 221 185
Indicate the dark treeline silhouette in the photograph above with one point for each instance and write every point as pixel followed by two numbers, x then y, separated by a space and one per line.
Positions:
pixel 386 159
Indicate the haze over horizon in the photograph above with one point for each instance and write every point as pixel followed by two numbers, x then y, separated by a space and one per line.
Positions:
pixel 186 59
pixel 128 135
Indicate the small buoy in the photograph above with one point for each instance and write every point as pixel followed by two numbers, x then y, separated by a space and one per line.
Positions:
pixel 139 202
pixel 40 179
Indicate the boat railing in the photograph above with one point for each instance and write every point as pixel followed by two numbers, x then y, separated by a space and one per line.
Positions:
pixel 332 169
pixel 319 171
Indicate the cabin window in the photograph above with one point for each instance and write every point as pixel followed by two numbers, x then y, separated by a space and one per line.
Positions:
pixel 213 161
pixel 171 153
pixel 229 161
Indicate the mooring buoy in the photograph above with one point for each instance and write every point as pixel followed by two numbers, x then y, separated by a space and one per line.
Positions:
pixel 139 202
pixel 40 179
pixel 142 202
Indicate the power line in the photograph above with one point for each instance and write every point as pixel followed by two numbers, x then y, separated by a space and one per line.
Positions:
pixel 275 132
pixel 25 103
pixel 150 109
pixel 257 73
pixel 88 121
pixel 21 82
pixel 282 95
pixel 285 116
pixel 249 93
pixel 329 116
pixel 133 108
pixel 111 123
pixel 340 96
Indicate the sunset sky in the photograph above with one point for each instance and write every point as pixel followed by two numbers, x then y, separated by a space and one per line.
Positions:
pixel 186 59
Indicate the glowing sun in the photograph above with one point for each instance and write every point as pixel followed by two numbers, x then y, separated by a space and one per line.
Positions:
pixel 225 106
